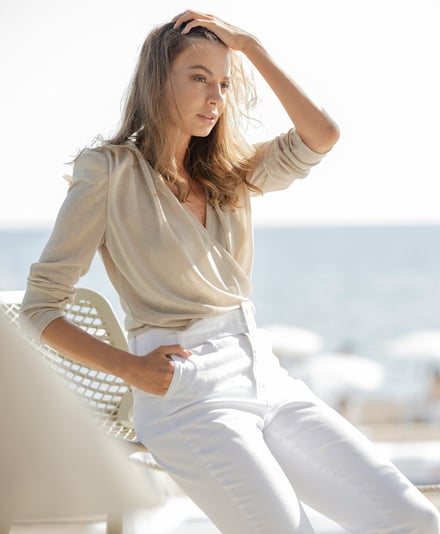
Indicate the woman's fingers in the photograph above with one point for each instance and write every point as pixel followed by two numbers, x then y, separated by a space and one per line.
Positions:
pixel 173 350
pixel 180 16
pixel 192 19
pixel 188 15
pixel 154 371
pixel 232 36
pixel 160 368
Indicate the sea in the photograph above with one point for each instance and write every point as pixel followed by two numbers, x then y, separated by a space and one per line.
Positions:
pixel 358 287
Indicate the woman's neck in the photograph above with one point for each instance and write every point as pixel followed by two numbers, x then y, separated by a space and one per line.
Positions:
pixel 179 144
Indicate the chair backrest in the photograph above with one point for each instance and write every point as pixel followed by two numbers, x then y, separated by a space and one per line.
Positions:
pixel 108 396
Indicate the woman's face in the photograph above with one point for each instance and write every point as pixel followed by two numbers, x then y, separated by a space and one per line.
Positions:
pixel 197 87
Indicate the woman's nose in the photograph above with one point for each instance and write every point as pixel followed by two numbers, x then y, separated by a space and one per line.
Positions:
pixel 216 96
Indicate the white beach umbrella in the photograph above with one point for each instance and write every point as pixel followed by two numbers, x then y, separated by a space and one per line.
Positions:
pixel 293 342
pixel 54 460
pixel 422 345
pixel 418 460
pixel 339 375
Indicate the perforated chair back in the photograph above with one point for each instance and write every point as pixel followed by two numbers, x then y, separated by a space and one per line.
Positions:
pixel 108 396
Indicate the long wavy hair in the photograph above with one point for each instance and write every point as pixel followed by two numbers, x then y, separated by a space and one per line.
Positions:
pixel 220 161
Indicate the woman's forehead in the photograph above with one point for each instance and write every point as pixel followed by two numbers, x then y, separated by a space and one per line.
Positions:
pixel 202 53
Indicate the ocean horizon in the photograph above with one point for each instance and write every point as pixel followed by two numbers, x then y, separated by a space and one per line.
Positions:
pixel 356 286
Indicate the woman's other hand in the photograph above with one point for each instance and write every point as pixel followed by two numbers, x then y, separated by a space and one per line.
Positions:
pixel 154 371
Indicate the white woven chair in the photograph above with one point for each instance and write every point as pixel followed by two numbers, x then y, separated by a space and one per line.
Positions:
pixel 108 397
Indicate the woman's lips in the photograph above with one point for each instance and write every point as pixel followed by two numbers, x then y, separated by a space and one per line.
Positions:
pixel 207 117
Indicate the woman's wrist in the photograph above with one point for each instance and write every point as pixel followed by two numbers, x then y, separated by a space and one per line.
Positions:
pixel 121 363
pixel 251 46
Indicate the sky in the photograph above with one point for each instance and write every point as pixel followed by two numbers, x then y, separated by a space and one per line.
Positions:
pixel 372 64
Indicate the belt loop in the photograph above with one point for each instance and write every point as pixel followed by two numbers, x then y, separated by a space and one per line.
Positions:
pixel 248 315
pixel 180 338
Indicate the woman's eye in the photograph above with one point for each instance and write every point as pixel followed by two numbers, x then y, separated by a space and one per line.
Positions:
pixel 225 85
pixel 200 78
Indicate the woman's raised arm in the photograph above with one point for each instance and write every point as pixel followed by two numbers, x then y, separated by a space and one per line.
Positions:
pixel 313 124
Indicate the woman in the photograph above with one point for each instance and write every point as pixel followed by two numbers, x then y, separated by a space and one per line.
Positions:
pixel 167 203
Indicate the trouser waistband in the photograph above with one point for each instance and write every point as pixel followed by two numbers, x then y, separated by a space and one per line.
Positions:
pixel 239 321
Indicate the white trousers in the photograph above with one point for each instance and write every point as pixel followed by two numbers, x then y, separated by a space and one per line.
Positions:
pixel 249 444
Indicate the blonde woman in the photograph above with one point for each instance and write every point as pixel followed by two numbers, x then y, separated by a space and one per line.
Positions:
pixel 167 204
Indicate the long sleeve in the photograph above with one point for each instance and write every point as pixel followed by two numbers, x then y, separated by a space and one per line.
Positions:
pixel 283 160
pixel 77 234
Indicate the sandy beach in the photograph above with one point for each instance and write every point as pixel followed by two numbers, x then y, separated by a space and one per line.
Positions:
pixel 402 431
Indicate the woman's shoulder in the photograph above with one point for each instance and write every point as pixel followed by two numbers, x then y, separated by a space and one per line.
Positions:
pixel 108 152
pixel 107 157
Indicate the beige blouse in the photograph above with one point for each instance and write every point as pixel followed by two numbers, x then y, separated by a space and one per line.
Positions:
pixel 167 268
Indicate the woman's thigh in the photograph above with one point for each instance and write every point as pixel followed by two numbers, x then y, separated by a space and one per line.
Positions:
pixel 219 458
pixel 339 472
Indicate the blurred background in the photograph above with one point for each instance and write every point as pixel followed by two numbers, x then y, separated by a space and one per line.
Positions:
pixel 347 264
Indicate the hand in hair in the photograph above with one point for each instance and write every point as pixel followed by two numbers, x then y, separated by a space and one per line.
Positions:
pixel 313 124
pixel 232 36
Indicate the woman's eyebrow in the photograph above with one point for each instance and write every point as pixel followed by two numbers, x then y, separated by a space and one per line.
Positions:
pixel 208 71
